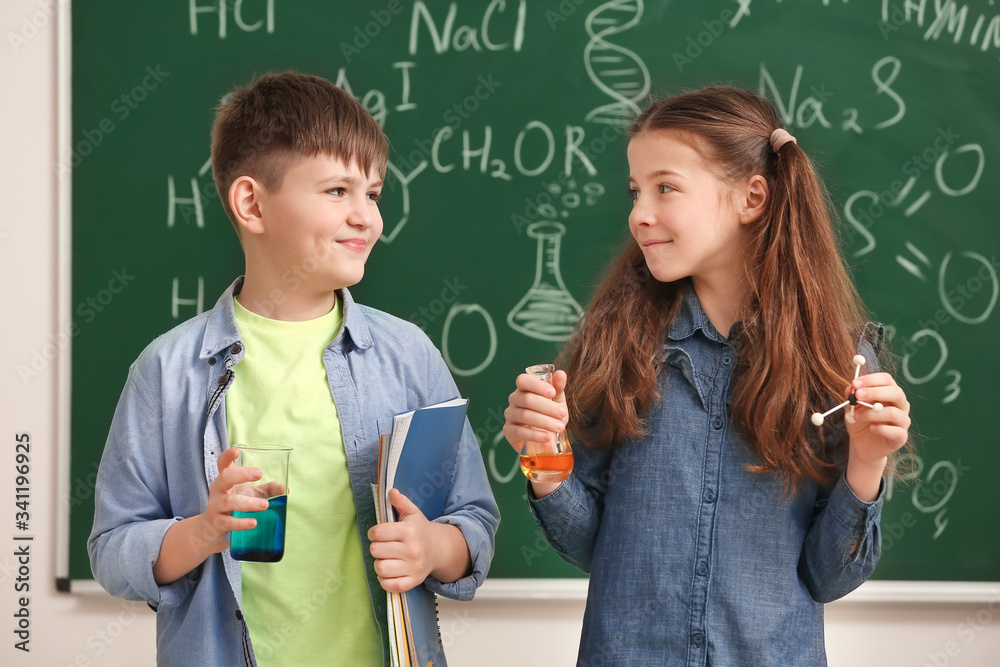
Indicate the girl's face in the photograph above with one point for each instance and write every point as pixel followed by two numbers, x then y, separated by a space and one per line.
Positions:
pixel 687 221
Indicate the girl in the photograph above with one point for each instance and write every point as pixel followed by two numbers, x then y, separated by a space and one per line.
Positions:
pixel 713 517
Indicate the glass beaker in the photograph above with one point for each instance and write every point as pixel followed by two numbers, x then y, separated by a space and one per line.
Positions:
pixel 546 461
pixel 264 543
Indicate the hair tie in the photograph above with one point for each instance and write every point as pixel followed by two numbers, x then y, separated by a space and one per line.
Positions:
pixel 779 138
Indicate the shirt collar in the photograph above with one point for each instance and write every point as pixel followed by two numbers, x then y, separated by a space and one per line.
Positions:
pixel 355 323
pixel 691 318
pixel 221 331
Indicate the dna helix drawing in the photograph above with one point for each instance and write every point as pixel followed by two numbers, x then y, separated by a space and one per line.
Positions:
pixel 615 70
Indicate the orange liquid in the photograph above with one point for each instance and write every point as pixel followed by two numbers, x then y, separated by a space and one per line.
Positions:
pixel 547 467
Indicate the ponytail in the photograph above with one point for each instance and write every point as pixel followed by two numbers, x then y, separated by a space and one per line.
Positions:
pixel 801 329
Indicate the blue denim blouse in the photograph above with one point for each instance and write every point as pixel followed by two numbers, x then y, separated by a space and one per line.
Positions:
pixel 693 560
pixel 170 427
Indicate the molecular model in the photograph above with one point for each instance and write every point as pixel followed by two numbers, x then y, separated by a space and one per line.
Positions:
pixel 851 401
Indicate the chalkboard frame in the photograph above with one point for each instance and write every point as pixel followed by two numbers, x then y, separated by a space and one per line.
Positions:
pixel 64 291
pixel 495 588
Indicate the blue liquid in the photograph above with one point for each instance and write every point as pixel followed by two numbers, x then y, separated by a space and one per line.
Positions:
pixel 265 543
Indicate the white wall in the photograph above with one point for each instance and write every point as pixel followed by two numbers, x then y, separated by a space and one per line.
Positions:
pixel 90 630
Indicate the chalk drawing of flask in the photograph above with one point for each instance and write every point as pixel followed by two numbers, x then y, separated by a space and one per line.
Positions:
pixel 547 311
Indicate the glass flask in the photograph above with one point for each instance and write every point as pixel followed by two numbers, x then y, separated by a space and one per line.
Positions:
pixel 546 461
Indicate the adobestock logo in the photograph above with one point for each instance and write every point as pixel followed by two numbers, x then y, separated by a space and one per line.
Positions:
pixel 696 45
pixel 31 26
pixel 372 29
pixel 968 631
pixel 88 309
pixel 425 315
pixel 122 107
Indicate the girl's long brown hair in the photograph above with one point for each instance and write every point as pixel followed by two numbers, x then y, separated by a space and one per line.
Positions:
pixel 801 320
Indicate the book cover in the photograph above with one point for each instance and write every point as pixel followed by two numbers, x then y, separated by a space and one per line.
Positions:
pixel 422 454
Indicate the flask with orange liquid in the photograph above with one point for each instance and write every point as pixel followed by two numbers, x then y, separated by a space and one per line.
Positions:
pixel 546 461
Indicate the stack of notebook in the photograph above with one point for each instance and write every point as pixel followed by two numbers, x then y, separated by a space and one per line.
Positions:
pixel 418 459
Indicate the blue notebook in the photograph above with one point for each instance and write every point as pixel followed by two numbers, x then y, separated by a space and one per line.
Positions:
pixel 419 462
pixel 422 453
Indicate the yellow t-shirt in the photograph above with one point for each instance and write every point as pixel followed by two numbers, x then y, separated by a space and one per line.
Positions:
pixel 313 607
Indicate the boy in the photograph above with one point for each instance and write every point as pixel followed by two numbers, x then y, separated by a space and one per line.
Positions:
pixel 285 357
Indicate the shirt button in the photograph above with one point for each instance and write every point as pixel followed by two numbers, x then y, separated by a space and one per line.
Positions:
pixel 697 638
pixel 222 380
pixel 727 360
pixel 717 423
pixel 709 496
pixel 236 349
pixel 349 348
pixel 212 361
pixel 702 569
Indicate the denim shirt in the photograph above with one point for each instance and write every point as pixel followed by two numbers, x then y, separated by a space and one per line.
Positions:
pixel 693 559
pixel 170 427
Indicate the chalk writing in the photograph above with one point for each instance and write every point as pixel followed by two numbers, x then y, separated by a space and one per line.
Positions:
pixel 176 301
pixel 534 134
pixel 222 7
pixel 935 156
pixel 950 19
pixel 811 109
pixel 931 492
pixel 465 37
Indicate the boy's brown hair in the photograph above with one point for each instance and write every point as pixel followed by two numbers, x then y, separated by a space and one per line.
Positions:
pixel 261 128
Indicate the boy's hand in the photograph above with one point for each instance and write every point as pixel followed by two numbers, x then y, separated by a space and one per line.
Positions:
pixel 217 520
pixel 188 543
pixel 411 548
pixel 875 435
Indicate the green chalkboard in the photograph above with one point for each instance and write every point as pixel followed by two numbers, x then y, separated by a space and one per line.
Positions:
pixel 506 197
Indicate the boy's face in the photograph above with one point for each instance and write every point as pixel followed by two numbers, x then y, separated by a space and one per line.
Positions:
pixel 321 224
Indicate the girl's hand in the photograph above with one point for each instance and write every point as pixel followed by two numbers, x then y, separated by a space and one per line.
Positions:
pixel 536 411
pixel 874 436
